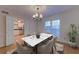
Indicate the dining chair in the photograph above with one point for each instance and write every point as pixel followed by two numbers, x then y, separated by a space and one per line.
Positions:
pixel 45 48
pixel 48 32
pixel 58 48
pixel 28 34
pixel 23 50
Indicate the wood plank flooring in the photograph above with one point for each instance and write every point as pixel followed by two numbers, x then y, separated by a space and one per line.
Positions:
pixel 70 50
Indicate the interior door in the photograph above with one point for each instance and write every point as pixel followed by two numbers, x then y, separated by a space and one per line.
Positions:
pixel 9 30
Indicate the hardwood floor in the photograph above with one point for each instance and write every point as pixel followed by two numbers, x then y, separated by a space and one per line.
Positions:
pixel 67 48
pixel 70 50
pixel 2 50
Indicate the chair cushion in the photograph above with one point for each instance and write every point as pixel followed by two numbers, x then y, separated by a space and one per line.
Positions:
pixel 59 47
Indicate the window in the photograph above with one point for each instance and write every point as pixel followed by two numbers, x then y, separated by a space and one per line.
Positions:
pixel 47 26
pixel 47 23
pixel 53 27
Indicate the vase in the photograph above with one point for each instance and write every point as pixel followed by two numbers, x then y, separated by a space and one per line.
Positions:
pixel 37 35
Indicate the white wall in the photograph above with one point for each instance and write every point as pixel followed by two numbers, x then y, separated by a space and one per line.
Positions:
pixel 66 18
pixel 29 26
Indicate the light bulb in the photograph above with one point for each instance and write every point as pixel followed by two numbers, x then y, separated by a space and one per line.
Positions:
pixel 41 16
pixel 34 16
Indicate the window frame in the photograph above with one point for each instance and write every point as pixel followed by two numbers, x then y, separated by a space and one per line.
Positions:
pixel 51 27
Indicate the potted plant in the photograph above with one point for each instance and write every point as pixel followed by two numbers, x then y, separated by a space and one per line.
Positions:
pixel 72 35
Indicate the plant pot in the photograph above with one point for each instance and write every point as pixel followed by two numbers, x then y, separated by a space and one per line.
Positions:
pixel 37 35
pixel 73 44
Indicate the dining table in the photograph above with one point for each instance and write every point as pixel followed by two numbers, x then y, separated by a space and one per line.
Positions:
pixel 33 41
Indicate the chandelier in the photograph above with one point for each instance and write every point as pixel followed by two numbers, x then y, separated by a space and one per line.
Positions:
pixel 37 15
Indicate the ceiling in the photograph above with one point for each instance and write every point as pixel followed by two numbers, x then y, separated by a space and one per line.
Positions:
pixel 26 11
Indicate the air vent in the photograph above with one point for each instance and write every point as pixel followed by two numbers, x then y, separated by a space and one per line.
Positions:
pixel 5 12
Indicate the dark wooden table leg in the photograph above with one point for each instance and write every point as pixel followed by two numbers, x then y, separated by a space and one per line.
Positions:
pixel 52 50
pixel 35 49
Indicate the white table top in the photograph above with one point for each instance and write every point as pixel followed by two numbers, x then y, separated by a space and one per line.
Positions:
pixel 32 40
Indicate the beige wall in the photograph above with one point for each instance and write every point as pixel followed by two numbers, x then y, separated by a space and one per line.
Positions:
pixel 66 18
pixel 2 30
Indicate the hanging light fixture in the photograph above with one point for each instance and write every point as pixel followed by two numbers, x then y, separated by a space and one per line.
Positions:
pixel 37 15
